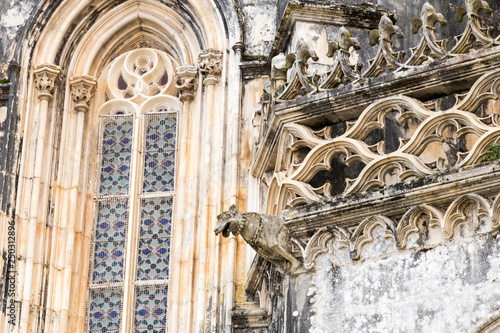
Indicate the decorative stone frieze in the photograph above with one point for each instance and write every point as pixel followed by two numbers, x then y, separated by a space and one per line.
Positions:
pixel 45 78
pixel 239 47
pixel 210 62
pixel 82 90
pixel 347 70
pixel 428 142
pixel 186 82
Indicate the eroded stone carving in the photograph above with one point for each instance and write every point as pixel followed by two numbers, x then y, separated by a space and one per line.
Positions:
pixel 266 234
pixel 429 49
pixel 210 62
pixel 186 81
pixel 385 56
pixel 82 90
pixel 420 226
pixel 467 216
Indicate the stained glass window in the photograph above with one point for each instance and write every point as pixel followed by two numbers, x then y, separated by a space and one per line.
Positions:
pixel 122 206
pixel 153 257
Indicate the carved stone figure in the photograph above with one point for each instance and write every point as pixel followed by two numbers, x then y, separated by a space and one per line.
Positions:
pixel 266 234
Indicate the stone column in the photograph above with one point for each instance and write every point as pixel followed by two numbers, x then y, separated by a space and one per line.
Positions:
pixel 45 78
pixel 234 115
pixel 210 62
pixel 82 90
pixel 186 78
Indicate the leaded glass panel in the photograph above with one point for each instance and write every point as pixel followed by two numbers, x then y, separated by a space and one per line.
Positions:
pixel 159 159
pixel 109 241
pixel 151 309
pixel 116 149
pixel 154 239
pixel 105 310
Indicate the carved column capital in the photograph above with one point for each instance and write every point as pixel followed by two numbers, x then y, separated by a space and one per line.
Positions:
pixel 210 62
pixel 82 90
pixel 186 81
pixel 45 78
pixel 239 47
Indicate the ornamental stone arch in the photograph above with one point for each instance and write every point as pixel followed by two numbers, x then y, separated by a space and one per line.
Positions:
pixel 68 52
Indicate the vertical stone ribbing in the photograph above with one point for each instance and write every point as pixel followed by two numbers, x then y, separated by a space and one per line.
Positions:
pixel 82 90
pixel 186 78
pixel 211 67
pixel 45 78
pixel 234 115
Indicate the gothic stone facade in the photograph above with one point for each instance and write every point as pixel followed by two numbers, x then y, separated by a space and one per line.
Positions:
pixel 345 151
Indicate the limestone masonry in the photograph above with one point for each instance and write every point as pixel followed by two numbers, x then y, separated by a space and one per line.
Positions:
pixel 281 166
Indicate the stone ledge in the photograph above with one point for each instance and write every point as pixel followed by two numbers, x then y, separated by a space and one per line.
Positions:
pixel 439 189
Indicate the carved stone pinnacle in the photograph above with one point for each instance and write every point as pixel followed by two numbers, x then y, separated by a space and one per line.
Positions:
pixel 82 90
pixel 186 81
pixel 210 62
pixel 45 78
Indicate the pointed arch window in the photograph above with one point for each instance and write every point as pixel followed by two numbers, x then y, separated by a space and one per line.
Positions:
pixel 134 196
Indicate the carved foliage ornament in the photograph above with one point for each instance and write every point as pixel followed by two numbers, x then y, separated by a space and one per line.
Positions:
pixel 210 62
pixel 82 90
pixel 186 81
pixel 45 78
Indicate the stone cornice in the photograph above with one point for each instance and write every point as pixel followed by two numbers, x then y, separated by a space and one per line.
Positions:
pixel 347 211
pixel 45 77
pixel 82 90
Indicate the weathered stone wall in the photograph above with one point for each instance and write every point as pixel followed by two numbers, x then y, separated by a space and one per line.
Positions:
pixel 450 288
pixel 14 16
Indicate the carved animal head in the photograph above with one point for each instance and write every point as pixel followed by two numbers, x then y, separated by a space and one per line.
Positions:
pixel 229 221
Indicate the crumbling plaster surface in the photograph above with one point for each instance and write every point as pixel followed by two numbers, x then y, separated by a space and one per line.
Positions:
pixel 454 287
pixel 13 18
pixel 260 23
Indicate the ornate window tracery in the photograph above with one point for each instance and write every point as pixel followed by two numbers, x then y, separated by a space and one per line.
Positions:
pixel 134 195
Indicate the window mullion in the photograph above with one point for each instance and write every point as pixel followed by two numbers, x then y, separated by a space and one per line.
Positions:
pixel 134 211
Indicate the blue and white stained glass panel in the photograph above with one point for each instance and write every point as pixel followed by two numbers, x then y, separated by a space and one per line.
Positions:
pixel 154 239
pixel 109 241
pixel 159 171
pixel 161 132
pixel 159 156
pixel 115 155
pixel 105 310
pixel 117 134
pixel 151 309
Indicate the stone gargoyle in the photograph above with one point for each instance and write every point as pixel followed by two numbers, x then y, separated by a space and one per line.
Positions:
pixel 266 234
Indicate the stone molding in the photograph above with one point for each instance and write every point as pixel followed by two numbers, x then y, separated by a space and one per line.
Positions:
pixel 249 318
pixel 186 82
pixel 82 91
pixel 430 71
pixel 210 62
pixel 422 226
pixel 46 76
pixel 334 15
